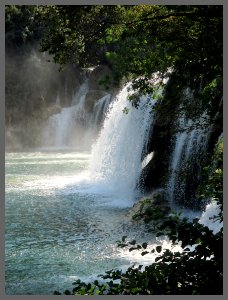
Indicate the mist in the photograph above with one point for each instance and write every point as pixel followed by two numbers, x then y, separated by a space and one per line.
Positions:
pixel 51 108
pixel 35 90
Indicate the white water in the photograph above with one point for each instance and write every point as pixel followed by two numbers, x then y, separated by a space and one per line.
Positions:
pixel 190 143
pixel 100 109
pixel 73 127
pixel 147 159
pixel 65 211
pixel 65 128
pixel 57 227
pixel 96 119
pixel 116 156
pixel 207 218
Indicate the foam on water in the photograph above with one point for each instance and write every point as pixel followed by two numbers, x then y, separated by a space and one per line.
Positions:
pixel 64 211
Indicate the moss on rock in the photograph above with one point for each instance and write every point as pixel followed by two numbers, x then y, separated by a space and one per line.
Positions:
pixel 152 207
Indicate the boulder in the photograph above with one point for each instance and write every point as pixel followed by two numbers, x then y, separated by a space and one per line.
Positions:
pixel 151 207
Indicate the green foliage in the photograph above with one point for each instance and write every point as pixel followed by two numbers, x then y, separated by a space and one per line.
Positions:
pixel 197 269
pixel 126 110
pixel 23 23
pixel 137 40
pixel 149 212
pixel 212 185
pixel 134 40
pixel 75 33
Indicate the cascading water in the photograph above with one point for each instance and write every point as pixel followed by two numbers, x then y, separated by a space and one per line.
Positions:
pixel 78 241
pixel 66 127
pixel 73 126
pixel 96 119
pixel 116 156
pixel 190 143
pixel 100 109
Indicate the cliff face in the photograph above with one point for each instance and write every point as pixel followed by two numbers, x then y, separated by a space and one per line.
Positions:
pixel 182 138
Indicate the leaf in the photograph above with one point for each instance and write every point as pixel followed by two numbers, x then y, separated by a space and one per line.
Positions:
pixel 158 258
pixel 125 110
pixel 95 282
pixel 199 241
pixel 159 249
pixel 56 293
pixel 186 249
pixel 135 290
pixel 132 248
pixel 144 253
pixel 122 245
pixel 132 242
pixel 78 281
pixel 144 245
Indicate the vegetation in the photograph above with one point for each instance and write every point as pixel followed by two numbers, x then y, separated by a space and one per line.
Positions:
pixel 23 23
pixel 137 41
pixel 196 269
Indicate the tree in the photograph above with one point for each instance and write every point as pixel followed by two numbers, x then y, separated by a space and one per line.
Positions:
pixel 195 270
pixel 134 40
pixel 23 24
pixel 137 41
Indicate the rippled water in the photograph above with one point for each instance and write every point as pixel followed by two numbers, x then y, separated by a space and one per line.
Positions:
pixel 59 226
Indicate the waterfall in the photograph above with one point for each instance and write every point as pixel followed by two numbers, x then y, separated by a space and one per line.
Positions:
pixel 73 126
pixel 100 108
pixel 116 155
pixel 190 143
pixel 65 128
pixel 96 119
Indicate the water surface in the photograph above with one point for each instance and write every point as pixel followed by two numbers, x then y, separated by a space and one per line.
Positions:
pixel 59 225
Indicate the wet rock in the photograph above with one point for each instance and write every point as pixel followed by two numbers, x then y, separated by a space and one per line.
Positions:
pixel 92 97
pixel 151 207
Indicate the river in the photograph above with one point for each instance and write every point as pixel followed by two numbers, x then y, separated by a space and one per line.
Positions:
pixel 59 225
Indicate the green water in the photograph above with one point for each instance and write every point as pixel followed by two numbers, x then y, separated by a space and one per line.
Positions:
pixel 58 227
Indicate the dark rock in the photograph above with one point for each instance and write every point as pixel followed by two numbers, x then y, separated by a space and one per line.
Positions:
pixel 150 208
pixel 98 75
